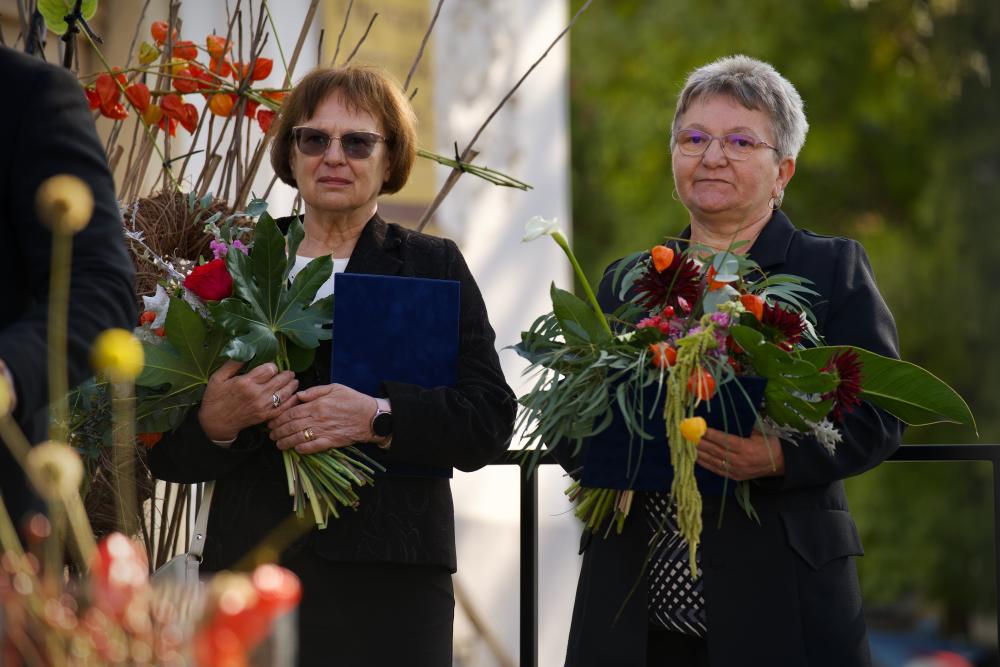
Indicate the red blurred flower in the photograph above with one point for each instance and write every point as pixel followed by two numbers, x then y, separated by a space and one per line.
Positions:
pixel 205 80
pixel 674 285
pixel 184 82
pixel 250 111
pixel 261 68
pixel 138 95
pixel 265 117
pixel 159 32
pixel 222 67
pixel 93 99
pixel 168 125
pixel 189 117
pixel 787 324
pixel 173 106
pixel 216 46
pixel 847 366
pixel 186 50
pixel 149 439
pixel 107 90
pixel 210 281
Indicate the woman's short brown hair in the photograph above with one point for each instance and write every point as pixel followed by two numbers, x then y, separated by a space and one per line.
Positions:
pixel 361 88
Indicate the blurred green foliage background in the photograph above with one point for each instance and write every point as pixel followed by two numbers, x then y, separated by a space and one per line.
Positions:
pixel 903 154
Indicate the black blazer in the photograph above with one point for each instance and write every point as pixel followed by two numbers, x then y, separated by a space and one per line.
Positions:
pixel 47 131
pixel 784 592
pixel 400 519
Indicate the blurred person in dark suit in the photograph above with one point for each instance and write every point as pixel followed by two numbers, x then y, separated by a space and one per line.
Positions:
pixel 46 129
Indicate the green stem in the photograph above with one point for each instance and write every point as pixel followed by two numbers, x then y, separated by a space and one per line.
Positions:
pixel 123 454
pixel 582 279
pixel 62 256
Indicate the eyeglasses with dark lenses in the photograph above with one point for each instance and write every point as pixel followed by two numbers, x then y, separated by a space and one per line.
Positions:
pixel 356 145
pixel 736 146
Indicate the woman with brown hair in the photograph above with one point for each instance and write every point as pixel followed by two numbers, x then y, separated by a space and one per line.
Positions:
pixel 376 582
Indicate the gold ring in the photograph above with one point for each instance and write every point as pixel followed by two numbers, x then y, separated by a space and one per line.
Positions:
pixel 308 434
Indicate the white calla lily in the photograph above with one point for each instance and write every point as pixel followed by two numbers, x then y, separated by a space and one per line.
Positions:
pixel 539 226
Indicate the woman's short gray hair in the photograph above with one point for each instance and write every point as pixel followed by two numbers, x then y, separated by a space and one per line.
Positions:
pixel 756 85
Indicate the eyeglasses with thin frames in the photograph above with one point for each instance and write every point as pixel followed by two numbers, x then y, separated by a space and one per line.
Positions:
pixel 736 145
pixel 356 145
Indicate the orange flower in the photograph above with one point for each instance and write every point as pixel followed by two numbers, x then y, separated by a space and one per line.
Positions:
pixel 183 81
pixel 240 70
pixel 221 104
pixel 173 106
pixel 216 46
pixel 147 317
pixel 261 68
pixel 701 384
pixel 186 50
pixel 159 32
pixel 663 257
pixel 264 118
pixel 107 90
pixel 168 125
pixel 754 304
pixel 160 331
pixel 222 67
pixel 663 356
pixel 138 95
pixel 189 119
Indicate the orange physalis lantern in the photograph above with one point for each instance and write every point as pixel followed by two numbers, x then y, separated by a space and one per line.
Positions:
pixel 221 104
pixel 261 68
pixel 138 95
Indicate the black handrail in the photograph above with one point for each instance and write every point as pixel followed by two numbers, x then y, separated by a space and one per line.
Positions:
pixel 529 526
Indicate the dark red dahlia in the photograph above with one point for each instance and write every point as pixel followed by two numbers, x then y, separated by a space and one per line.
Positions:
pixel 847 366
pixel 657 289
pixel 787 324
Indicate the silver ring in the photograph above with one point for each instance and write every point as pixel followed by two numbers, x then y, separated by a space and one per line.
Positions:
pixel 308 434
pixel 275 399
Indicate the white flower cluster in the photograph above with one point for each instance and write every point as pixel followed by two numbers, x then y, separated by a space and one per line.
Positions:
pixel 824 431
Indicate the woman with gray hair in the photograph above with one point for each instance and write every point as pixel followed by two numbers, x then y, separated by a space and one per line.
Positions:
pixel 779 588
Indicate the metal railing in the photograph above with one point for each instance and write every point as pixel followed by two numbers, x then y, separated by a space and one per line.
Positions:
pixel 528 650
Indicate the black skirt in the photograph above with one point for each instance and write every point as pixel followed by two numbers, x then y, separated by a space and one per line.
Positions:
pixel 373 614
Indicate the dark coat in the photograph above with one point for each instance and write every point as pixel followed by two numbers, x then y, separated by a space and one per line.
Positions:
pixel 400 519
pixel 785 592
pixel 45 130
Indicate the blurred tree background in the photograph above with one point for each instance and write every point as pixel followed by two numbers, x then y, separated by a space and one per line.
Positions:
pixel 903 154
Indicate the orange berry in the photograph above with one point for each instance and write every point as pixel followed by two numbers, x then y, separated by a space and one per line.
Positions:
pixel 753 304
pixel 663 356
pixel 701 384
pixel 662 257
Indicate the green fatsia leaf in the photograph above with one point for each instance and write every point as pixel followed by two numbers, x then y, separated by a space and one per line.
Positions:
pixel 911 393
pixel 578 321
pixel 53 12
pixel 189 355
pixel 265 314
pixel 158 413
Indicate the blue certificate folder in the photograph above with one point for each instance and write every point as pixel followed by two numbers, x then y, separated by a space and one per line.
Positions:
pixel 398 329
pixel 613 460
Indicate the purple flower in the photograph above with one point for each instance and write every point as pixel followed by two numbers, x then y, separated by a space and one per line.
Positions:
pixel 720 319
pixel 238 245
pixel 219 249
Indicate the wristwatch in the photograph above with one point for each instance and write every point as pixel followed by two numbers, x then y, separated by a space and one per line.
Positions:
pixel 382 422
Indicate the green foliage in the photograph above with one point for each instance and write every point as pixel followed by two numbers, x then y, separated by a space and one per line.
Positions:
pixel 54 11
pixel 903 154
pixel 267 317
pixel 180 367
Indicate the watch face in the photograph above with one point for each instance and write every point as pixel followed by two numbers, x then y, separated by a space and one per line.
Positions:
pixel 382 424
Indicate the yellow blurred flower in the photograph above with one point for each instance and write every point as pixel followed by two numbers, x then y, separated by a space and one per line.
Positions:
pixel 693 428
pixel 64 203
pixel 117 354
pixel 55 469
pixel 6 395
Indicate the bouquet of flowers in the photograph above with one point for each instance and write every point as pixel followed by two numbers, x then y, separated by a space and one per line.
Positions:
pixel 240 305
pixel 702 335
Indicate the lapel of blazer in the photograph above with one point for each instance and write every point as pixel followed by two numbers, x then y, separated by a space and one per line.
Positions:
pixel 771 247
pixel 377 250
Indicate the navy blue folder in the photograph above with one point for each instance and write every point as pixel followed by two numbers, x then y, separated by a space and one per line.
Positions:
pixel 614 460
pixel 392 328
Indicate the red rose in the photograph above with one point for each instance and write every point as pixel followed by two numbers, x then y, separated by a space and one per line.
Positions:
pixel 210 281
